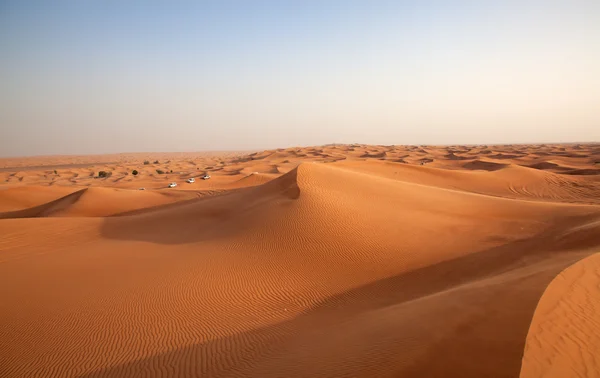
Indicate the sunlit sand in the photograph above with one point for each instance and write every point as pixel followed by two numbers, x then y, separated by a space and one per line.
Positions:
pixel 330 261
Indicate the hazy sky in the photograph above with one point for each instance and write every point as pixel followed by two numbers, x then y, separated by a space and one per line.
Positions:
pixel 122 76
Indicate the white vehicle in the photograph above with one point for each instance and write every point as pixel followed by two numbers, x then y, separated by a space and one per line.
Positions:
pixel 191 180
pixel 172 185
pixel 206 177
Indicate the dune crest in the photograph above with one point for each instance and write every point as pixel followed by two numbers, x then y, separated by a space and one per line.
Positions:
pixel 328 261
pixel 564 336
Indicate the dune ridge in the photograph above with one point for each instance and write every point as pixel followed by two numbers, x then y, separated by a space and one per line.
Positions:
pixel 356 267
pixel 565 329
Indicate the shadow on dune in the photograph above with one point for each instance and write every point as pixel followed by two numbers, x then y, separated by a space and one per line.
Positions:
pixel 453 156
pixel 505 156
pixel 484 165
pixel 203 218
pixel 469 317
pixel 545 165
pixel 582 172
pixel 46 209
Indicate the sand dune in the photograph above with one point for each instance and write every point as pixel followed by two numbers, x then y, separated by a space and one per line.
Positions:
pixel 330 261
pixel 565 330
pixel 22 197
pixel 484 165
pixel 91 202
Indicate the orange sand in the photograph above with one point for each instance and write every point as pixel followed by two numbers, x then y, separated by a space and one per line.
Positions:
pixel 330 261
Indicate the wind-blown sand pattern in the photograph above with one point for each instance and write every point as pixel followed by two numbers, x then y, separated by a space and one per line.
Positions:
pixel 564 337
pixel 329 261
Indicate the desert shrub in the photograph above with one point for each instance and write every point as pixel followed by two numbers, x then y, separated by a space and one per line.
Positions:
pixel 155 161
pixel 55 172
pixel 146 162
pixel 171 171
pixel 160 172
pixel 134 172
pixel 103 174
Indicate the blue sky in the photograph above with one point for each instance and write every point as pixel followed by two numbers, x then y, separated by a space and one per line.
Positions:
pixel 119 76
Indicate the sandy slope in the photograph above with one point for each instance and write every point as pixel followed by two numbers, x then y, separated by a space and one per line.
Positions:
pixel 348 266
pixel 23 197
pixel 564 337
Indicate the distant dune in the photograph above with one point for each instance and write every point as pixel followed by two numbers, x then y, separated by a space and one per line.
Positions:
pixel 327 261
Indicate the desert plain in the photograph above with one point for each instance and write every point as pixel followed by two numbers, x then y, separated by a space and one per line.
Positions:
pixel 329 261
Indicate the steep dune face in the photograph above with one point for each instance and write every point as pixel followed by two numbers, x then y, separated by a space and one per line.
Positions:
pixel 23 197
pixel 94 202
pixel 354 268
pixel 46 209
pixel 101 202
pixel 564 337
